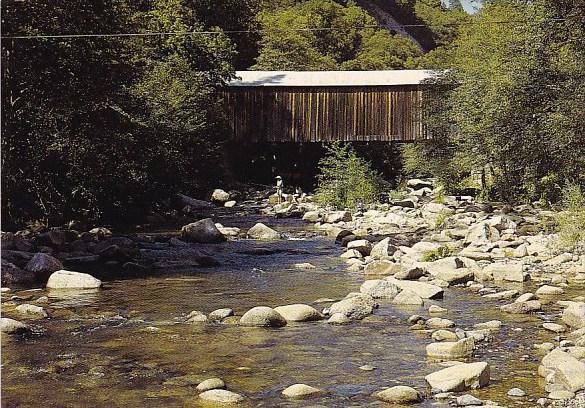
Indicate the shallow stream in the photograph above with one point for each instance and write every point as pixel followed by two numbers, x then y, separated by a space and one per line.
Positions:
pixel 125 345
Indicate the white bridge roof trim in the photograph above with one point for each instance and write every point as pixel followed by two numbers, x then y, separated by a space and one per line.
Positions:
pixel 330 78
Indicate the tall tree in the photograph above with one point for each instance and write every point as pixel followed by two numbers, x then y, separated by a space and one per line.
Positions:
pixel 321 34
pixel 102 127
pixel 515 94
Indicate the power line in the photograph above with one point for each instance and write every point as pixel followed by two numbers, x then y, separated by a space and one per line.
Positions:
pixel 185 33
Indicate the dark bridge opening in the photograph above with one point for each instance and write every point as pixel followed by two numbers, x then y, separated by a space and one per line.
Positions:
pixel 297 163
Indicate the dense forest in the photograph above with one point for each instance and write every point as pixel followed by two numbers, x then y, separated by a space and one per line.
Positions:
pixel 107 127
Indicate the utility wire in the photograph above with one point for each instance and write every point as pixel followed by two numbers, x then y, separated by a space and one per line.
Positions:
pixel 185 33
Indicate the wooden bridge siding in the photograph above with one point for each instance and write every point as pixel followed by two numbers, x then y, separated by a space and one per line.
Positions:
pixel 297 114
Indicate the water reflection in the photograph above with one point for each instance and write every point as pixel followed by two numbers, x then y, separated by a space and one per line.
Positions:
pixel 65 298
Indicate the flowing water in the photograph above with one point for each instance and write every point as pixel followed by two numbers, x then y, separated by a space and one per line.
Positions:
pixel 125 345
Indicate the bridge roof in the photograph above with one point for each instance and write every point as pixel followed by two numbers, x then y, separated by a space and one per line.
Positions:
pixel 330 78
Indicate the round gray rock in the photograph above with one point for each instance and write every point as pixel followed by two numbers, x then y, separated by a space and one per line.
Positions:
pixel 399 394
pixel 300 391
pixel 63 279
pixel 211 384
pixel 221 397
pixel 298 313
pixel 262 316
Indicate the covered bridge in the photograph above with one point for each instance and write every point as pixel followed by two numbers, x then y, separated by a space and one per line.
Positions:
pixel 319 106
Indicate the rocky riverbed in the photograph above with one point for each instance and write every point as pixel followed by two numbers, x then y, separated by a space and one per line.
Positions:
pixel 427 300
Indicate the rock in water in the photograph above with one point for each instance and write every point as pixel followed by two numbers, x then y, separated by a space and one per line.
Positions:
pixel 72 280
pixel 516 392
pixel 211 384
pixel 339 318
pixel 522 307
pixel 451 349
pixel 574 315
pixel 568 371
pixel 468 401
pixel 220 196
pixel 460 377
pixel 300 391
pixel 11 326
pixel 422 289
pixel 221 397
pixel 379 289
pixel 203 231
pixel 298 313
pixel 355 307
pixel 33 310
pixel 262 316
pixel 383 249
pixel 42 265
pixel 261 231
pixel 220 314
pixel 408 297
pixel 399 394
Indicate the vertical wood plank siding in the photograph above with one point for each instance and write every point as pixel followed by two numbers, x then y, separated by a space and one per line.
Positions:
pixel 318 114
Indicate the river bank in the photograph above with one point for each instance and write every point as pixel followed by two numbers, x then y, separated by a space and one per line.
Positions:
pixel 504 301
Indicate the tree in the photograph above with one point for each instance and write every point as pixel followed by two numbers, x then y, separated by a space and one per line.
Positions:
pixel 328 36
pixel 103 128
pixel 512 102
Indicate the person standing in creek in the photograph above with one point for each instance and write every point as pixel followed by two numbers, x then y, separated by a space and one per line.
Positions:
pixel 279 187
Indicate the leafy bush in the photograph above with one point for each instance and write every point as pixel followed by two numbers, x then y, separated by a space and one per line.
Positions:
pixel 441 219
pixel 436 254
pixel 571 220
pixel 345 180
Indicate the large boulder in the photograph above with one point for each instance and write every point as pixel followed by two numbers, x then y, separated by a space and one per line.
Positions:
pixel 220 196
pixel 32 310
pixel 568 371
pixel 422 289
pixel 337 216
pixel 451 349
pixel 409 298
pixel 379 289
pixel 411 272
pixel 522 307
pixel 11 326
pixel 355 306
pixel 13 275
pixel 362 245
pixel 511 272
pixel 43 265
pixel 399 394
pixel 63 279
pixel 312 216
pixel 262 316
pixel 55 239
pixel 574 315
pixel 300 391
pixel 298 313
pixel 203 231
pixel 221 397
pixel 383 249
pixel 381 267
pixel 481 233
pixel 460 377
pixel 456 276
pixel 263 232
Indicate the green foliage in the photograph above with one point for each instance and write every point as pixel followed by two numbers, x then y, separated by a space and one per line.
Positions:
pixel 508 118
pixel 436 254
pixel 347 47
pixel 102 128
pixel 441 219
pixel 571 220
pixel 345 180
